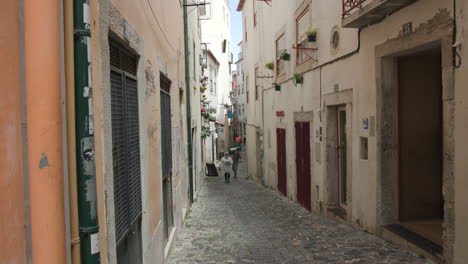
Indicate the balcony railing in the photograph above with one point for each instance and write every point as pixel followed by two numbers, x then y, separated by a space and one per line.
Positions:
pixel 361 13
pixel 350 5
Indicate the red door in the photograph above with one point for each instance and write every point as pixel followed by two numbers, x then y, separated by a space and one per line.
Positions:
pixel 281 159
pixel 303 164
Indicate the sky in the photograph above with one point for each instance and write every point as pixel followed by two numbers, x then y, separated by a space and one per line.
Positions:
pixel 236 29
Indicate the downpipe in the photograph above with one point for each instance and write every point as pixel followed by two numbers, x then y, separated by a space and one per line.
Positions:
pixel 187 94
pixel 85 163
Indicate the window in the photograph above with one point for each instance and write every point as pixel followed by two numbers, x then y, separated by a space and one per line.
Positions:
pixel 245 29
pixel 302 26
pixel 125 140
pixel 280 46
pixel 254 13
pixel 255 19
pixel 224 45
pixel 247 87
pixel 205 10
pixel 256 83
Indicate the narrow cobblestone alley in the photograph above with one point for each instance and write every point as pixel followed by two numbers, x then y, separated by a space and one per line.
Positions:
pixel 242 222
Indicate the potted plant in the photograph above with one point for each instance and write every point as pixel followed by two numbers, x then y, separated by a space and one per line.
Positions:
pixel 204 133
pixel 277 87
pixel 212 118
pixel 311 35
pixel 202 89
pixel 284 55
pixel 226 105
pixel 212 110
pixel 270 66
pixel 298 78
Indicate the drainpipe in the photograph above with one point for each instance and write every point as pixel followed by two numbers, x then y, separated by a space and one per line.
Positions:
pixel 187 94
pixel 71 135
pixel 42 25
pixel 86 169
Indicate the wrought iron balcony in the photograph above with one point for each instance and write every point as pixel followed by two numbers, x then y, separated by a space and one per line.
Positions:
pixel 361 13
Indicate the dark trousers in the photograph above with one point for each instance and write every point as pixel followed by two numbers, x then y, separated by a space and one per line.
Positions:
pixel 227 176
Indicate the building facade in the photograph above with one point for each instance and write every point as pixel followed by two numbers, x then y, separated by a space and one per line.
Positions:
pixel 102 130
pixel 339 123
pixel 240 95
pixel 216 38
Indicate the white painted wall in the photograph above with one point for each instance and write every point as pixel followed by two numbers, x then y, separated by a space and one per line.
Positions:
pixel 356 73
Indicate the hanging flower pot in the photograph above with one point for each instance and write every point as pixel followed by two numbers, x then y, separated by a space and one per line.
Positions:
pixel 277 87
pixel 204 110
pixel 212 110
pixel 204 134
pixel 298 79
pixel 270 66
pixel 311 35
pixel 212 118
pixel 202 89
pixel 284 55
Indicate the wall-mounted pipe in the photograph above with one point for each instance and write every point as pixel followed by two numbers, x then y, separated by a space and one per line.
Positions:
pixel 71 135
pixel 187 94
pixel 42 26
pixel 86 170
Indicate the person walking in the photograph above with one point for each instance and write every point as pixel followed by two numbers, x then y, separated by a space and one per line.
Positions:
pixel 236 159
pixel 226 166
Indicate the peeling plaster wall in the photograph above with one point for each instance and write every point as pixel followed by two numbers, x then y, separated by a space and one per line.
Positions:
pixel 142 26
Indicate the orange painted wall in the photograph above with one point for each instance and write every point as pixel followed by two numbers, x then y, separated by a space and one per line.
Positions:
pixel 44 121
pixel 12 234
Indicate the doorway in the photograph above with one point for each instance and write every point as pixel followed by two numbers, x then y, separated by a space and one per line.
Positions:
pixel 341 153
pixel 281 160
pixel 303 164
pixel 420 141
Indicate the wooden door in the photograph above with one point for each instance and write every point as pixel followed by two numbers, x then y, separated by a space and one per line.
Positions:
pixel 281 160
pixel 303 164
pixel 342 162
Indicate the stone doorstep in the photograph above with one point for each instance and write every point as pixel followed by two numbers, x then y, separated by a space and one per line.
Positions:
pixel 170 243
pixel 401 241
pixel 338 214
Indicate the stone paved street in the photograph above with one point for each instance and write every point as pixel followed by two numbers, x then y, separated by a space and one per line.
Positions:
pixel 242 222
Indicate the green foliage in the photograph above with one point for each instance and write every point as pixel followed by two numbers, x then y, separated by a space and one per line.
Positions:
pixel 270 66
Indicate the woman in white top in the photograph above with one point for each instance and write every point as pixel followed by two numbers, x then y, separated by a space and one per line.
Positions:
pixel 226 166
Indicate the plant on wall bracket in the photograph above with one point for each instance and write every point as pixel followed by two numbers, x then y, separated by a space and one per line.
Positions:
pixel 277 87
pixel 202 89
pixel 298 78
pixel 270 66
pixel 284 55
pixel 204 133
pixel 311 35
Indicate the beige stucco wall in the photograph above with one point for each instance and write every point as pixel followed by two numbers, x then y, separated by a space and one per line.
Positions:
pixel 144 27
pixel 461 139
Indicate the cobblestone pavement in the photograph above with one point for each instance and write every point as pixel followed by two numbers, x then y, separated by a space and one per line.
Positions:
pixel 242 222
